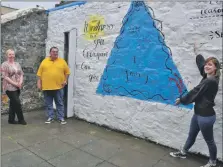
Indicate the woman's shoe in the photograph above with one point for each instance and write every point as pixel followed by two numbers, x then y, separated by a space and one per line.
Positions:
pixel 210 164
pixel 178 154
pixel 13 122
pixel 23 122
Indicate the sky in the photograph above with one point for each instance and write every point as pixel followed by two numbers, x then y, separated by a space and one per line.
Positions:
pixel 23 4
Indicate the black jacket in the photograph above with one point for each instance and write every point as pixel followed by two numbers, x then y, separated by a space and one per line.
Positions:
pixel 203 94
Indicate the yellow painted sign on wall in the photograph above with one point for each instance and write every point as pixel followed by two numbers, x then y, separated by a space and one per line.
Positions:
pixel 94 27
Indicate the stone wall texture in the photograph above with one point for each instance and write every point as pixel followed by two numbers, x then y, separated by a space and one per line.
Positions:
pixel 26 34
pixel 133 60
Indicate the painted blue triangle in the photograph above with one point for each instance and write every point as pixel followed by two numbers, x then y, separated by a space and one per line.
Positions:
pixel 140 64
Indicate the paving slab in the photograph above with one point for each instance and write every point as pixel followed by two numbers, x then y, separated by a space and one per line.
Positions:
pixel 50 148
pixel 106 164
pixel 43 164
pixel 31 139
pixel 101 148
pixel 16 131
pixel 12 130
pixel 102 132
pixel 163 163
pixel 8 145
pixel 78 139
pixel 76 158
pixel 81 144
pixel 129 158
pixel 143 146
pixel 20 158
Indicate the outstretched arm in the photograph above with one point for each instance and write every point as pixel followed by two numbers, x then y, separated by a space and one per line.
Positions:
pixel 200 61
pixel 197 92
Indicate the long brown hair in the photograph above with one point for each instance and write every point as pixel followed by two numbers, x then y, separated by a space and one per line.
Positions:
pixel 217 65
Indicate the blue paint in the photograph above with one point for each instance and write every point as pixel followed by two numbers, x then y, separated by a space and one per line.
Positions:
pixel 66 6
pixel 140 64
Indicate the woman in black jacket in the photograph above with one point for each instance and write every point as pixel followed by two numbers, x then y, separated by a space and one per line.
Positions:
pixel 204 117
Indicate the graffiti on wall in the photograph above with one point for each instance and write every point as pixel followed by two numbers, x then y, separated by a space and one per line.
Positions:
pixel 207 14
pixel 140 64
pixel 94 27
pixel 215 34
pixel 93 54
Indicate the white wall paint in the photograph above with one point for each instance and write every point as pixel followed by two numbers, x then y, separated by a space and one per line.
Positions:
pixel 163 124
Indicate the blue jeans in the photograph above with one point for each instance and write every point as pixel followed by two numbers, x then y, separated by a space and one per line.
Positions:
pixel 205 125
pixel 57 96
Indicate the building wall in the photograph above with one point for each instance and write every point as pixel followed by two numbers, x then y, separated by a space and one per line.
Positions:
pixel 128 75
pixel 26 34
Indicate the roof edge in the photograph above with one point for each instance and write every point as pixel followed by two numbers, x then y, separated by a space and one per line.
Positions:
pixel 18 13
pixel 9 7
pixel 65 6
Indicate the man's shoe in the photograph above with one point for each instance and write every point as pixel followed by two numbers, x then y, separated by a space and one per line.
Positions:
pixel 49 120
pixel 13 122
pixel 178 154
pixel 23 122
pixel 62 122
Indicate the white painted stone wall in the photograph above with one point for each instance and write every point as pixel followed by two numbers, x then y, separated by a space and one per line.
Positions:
pixel 167 125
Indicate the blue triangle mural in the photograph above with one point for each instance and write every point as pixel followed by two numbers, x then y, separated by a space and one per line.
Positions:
pixel 140 64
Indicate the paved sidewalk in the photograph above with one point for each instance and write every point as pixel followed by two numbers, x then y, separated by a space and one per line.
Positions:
pixel 80 144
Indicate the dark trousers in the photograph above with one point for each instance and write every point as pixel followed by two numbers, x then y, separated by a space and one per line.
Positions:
pixel 15 106
pixel 205 125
